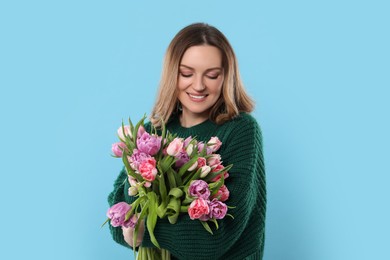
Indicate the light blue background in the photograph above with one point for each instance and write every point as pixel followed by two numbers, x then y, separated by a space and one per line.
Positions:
pixel 70 71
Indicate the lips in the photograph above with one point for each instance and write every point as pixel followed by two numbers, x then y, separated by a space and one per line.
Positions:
pixel 197 98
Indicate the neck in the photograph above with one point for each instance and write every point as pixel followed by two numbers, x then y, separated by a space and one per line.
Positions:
pixel 189 120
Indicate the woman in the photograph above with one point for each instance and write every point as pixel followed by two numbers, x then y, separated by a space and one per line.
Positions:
pixel 201 95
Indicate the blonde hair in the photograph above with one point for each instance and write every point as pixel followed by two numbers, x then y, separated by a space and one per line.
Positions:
pixel 233 99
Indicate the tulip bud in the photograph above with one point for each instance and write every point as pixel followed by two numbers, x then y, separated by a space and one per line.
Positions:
pixel 193 167
pixel 190 149
pixel 205 170
pixel 175 147
pixel 126 130
pixel 132 191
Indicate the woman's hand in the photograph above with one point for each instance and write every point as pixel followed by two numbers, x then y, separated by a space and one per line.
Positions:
pixel 128 234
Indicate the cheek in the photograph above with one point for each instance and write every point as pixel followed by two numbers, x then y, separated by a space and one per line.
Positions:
pixel 182 83
pixel 216 86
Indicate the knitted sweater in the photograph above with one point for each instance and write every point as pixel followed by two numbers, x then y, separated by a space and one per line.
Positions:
pixel 238 238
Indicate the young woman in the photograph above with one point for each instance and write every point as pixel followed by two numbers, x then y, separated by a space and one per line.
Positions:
pixel 201 95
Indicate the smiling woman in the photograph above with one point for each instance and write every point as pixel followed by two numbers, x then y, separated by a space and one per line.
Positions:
pixel 201 95
pixel 199 83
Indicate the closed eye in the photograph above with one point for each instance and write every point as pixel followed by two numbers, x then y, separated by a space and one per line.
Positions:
pixel 185 75
pixel 212 76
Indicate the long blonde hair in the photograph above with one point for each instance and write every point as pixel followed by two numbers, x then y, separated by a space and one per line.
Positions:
pixel 233 99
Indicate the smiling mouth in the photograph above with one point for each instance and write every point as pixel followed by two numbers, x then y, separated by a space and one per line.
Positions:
pixel 197 97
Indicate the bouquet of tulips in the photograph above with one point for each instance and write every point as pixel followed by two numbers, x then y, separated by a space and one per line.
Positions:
pixel 168 176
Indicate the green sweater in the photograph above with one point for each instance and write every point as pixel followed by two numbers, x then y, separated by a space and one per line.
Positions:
pixel 238 238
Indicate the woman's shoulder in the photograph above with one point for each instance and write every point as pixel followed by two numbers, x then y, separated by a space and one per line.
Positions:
pixel 242 127
pixel 243 121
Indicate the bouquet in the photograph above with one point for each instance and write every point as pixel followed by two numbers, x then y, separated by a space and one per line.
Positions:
pixel 168 176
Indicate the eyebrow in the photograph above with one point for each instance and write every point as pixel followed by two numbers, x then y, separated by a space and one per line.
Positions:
pixel 188 67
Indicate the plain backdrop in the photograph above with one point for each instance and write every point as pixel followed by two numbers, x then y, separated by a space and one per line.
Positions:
pixel 70 71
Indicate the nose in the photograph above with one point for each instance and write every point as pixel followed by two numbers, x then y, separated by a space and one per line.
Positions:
pixel 198 84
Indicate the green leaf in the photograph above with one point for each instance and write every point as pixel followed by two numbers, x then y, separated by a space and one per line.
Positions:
pixel 144 212
pixel 176 192
pixel 212 175
pixel 215 222
pixel 214 187
pixel 162 187
pixel 174 205
pixel 187 165
pixel 163 133
pixel 178 180
pixel 152 217
pixel 230 216
pixel 206 226
pixel 137 126
pixel 184 209
pixel 171 179
pixel 188 199
pixel 108 219
pixel 161 210
pixel 123 132
pixel 192 176
pixel 131 125
pixel 173 209
pixel 166 163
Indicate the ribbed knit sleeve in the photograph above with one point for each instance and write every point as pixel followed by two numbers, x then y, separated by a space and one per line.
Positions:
pixel 238 238
pixel 247 187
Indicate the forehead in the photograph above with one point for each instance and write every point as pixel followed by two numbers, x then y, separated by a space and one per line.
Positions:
pixel 202 57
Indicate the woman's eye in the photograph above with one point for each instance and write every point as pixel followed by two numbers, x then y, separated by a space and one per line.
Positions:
pixel 213 76
pixel 186 75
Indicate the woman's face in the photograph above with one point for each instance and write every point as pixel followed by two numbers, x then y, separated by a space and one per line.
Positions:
pixel 200 82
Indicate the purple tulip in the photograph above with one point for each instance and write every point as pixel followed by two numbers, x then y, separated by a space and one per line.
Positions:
pixel 149 144
pixel 201 146
pixel 218 209
pixel 199 189
pixel 117 213
pixel 137 158
pixel 182 158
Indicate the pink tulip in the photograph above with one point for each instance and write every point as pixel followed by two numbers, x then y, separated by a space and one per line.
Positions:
pixel 201 162
pixel 214 143
pixel 137 158
pixel 214 160
pixel 175 147
pixel 219 176
pixel 198 209
pixel 223 193
pixel 148 169
pixel 117 149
